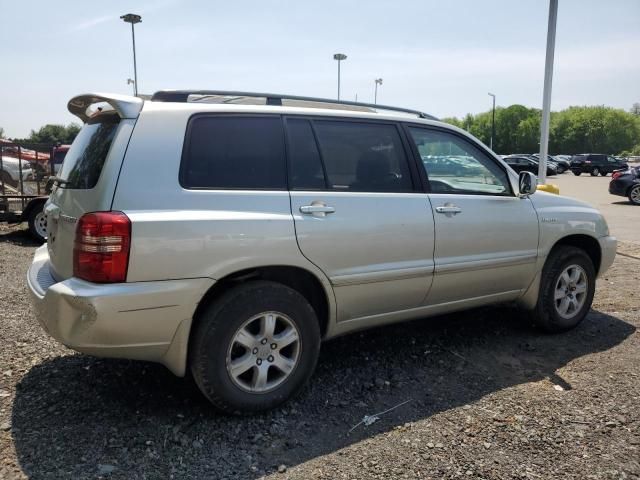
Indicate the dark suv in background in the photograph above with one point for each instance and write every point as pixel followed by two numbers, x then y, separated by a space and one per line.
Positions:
pixel 595 164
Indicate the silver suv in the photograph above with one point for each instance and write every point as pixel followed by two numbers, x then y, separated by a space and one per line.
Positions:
pixel 229 233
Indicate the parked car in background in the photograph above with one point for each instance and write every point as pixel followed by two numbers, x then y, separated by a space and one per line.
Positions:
pixel 522 163
pixel 562 165
pixel 566 158
pixel 10 171
pixel 626 183
pixel 595 164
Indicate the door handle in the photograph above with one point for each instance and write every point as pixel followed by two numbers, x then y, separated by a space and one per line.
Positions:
pixel 316 209
pixel 448 209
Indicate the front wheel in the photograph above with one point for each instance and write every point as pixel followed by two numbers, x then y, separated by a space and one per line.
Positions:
pixel 255 347
pixel 604 174
pixel 595 172
pixel 577 173
pixel 634 195
pixel 567 287
pixel 38 223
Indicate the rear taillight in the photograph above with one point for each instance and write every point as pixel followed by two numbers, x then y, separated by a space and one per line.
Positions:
pixel 615 175
pixel 101 248
pixel 587 161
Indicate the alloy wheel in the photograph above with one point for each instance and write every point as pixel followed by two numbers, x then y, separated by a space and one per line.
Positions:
pixel 570 291
pixel 263 352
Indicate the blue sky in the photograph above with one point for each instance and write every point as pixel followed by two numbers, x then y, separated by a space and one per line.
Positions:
pixel 438 56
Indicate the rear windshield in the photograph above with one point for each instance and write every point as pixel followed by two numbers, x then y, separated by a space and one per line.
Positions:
pixel 84 160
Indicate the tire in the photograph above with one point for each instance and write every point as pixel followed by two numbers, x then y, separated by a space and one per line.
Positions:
pixel 595 172
pixel 546 314
pixel 634 194
pixel 242 313
pixel 576 173
pixel 38 223
pixel 604 174
pixel 561 170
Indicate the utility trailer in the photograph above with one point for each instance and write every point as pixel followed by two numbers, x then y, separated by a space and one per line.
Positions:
pixel 26 175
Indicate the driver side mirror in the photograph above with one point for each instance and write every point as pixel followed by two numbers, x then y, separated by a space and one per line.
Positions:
pixel 528 183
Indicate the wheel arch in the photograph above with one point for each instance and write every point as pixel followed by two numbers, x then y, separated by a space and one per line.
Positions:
pixel 317 293
pixel 587 243
pixel 32 205
pixel 631 187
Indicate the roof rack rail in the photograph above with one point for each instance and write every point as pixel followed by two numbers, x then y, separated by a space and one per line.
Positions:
pixel 275 99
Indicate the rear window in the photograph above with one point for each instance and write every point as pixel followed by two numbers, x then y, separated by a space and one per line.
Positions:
pixel 84 161
pixel 226 152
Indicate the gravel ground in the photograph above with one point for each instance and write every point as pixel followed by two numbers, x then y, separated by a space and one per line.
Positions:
pixel 487 397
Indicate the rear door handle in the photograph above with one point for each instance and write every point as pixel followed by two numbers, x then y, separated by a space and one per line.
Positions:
pixel 448 209
pixel 316 209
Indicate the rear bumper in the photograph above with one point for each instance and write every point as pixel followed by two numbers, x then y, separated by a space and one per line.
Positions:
pixel 616 188
pixel 138 320
pixel 608 246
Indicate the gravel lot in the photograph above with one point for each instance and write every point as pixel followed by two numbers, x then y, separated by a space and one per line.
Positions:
pixel 488 397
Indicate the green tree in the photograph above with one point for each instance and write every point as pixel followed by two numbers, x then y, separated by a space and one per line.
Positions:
pixel 1 132
pixel 593 129
pixel 51 133
pixel 635 109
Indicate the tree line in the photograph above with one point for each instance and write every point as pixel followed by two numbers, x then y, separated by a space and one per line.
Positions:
pixel 596 129
pixel 49 134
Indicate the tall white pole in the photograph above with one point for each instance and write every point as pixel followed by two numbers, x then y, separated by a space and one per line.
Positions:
pixel 546 96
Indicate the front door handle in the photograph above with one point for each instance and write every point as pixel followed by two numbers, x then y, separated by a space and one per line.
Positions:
pixel 449 209
pixel 317 209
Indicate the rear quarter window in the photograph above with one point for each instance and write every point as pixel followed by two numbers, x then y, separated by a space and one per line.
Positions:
pixel 234 152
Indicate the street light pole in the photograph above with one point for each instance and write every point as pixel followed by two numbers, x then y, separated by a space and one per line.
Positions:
pixel 132 18
pixel 546 95
pixel 339 57
pixel 493 121
pixel 375 96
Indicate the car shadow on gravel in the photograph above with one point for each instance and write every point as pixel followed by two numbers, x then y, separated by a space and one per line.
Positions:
pixel 18 236
pixel 81 417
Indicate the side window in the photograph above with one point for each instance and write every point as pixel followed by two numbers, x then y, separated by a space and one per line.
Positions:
pixel 234 152
pixel 611 160
pixel 454 165
pixel 305 166
pixel 363 157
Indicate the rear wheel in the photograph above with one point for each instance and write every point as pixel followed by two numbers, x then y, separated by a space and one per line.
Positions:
pixel 255 347
pixel 561 169
pixel 634 195
pixel 38 223
pixel 567 286
pixel 603 173
pixel 595 172
pixel 577 173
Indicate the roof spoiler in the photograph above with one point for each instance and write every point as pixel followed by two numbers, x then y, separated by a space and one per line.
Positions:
pixel 126 106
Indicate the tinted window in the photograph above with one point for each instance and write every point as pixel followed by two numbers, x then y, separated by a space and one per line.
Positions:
pixel 305 166
pixel 234 152
pixel 363 157
pixel 85 159
pixel 456 166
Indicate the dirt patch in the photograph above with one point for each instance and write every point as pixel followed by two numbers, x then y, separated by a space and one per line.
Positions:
pixel 490 397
